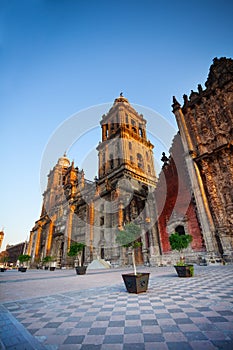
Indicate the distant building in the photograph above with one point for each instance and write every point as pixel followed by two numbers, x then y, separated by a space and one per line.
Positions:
pixel 1 238
pixel 14 251
pixel 192 195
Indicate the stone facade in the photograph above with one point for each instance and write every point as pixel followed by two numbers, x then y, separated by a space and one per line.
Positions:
pixel 205 122
pixel 192 195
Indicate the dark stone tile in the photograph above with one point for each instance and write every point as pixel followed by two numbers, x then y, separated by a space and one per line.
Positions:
pixel 97 331
pixel 118 313
pixel 73 319
pixel 183 321
pixel 132 329
pixel 215 319
pixel 174 310
pixel 116 324
pixel 52 325
pixel 179 346
pixel 84 325
pixel 102 318
pixel 169 328
pixel 91 347
pixel 74 339
pixel 46 319
pixel 223 344
pixel 151 337
pixel 64 314
pixel 149 322
pixel 203 308
pixel 132 317
pixel 191 336
pixel 225 313
pixel 194 314
pixel 113 339
pixel 164 315
pixel 33 331
pixel 133 346
pixel 207 327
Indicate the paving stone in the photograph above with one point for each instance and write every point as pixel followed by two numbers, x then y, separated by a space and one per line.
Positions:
pixel 175 313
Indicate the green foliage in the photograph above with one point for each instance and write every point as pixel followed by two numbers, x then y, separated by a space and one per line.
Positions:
pixel 24 257
pixel 180 242
pixel 47 259
pixel 128 237
pixel 75 249
pixel 191 269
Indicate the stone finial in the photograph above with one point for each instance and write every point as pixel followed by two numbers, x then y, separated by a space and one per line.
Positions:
pixel 175 104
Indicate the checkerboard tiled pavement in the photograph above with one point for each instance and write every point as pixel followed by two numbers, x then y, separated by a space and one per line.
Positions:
pixel 175 313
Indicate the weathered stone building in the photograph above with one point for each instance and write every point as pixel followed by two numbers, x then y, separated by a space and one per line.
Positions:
pixel 206 127
pixel 192 195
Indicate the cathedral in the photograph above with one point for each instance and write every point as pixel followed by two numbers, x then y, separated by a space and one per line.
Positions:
pixel 192 194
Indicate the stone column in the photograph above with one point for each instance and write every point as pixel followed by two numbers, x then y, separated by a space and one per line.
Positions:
pixel 49 238
pixel 69 224
pixel 120 215
pixel 38 239
pixel 92 217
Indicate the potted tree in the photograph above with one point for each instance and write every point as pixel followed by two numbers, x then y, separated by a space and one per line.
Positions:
pixel 47 260
pixel 23 258
pixel 76 251
pixel 136 282
pixel 180 242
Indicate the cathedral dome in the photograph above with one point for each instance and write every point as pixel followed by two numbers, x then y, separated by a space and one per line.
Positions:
pixel 121 98
pixel 64 161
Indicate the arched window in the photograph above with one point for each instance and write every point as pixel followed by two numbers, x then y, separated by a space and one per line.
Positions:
pixel 180 229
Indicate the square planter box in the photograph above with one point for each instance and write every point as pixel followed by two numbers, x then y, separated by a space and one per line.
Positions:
pixel 136 283
pixel 81 270
pixel 185 271
pixel 22 269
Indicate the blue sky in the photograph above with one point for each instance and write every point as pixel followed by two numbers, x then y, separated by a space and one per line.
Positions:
pixel 60 57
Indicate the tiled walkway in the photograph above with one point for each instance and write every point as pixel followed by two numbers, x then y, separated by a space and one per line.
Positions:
pixel 175 313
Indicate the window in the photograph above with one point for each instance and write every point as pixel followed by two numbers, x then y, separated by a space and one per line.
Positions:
pixel 131 159
pixel 148 168
pixel 140 132
pixel 139 160
pixel 126 119
pixel 111 161
pixel 130 145
pixel 101 220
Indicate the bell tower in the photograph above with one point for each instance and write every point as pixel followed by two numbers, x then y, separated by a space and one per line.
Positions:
pixel 124 148
pixel 126 179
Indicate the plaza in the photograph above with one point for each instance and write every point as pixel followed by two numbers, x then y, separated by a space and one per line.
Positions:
pixel 61 310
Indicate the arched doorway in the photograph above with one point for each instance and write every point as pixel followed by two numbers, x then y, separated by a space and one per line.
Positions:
pixel 180 229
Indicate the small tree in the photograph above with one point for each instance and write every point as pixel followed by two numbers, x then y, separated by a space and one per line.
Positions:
pixel 180 242
pixel 128 237
pixel 47 259
pixel 24 258
pixel 76 250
